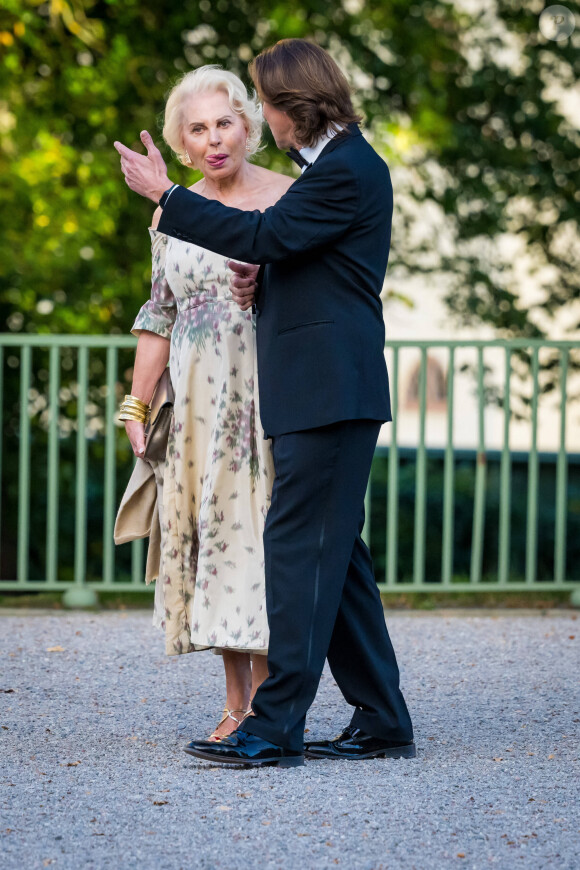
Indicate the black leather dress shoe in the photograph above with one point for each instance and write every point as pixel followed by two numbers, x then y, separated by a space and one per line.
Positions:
pixel 354 744
pixel 239 747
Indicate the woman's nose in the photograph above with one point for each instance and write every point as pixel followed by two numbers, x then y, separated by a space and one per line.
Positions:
pixel 214 136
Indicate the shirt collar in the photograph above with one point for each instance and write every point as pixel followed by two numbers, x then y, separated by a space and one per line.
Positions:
pixel 313 151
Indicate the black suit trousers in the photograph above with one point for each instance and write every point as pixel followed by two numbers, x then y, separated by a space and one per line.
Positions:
pixel 321 595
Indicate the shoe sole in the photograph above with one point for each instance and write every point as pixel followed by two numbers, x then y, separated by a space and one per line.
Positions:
pixel 288 761
pixel 409 751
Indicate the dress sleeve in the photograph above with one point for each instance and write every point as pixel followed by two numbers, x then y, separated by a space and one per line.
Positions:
pixel 159 312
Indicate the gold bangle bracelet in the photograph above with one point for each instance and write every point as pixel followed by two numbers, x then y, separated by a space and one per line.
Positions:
pixel 137 412
pixel 134 409
pixel 139 409
pixel 134 402
pixel 126 415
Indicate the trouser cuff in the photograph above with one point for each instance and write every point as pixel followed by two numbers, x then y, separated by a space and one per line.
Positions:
pixel 375 725
pixel 253 726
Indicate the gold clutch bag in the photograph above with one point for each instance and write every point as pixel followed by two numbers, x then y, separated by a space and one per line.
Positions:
pixel 157 429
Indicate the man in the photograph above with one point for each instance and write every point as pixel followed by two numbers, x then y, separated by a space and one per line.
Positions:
pixel 323 396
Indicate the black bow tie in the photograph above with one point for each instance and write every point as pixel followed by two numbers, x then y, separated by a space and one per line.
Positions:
pixel 297 157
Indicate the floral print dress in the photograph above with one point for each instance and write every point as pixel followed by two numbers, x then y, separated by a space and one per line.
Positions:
pixel 218 473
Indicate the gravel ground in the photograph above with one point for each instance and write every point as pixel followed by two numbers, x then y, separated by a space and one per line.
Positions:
pixel 94 718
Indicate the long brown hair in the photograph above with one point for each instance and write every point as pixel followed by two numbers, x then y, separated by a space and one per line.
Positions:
pixel 301 79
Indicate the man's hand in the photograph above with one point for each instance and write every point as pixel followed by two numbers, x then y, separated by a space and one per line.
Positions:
pixel 243 283
pixel 146 175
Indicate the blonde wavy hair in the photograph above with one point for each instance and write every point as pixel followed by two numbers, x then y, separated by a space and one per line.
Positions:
pixel 211 78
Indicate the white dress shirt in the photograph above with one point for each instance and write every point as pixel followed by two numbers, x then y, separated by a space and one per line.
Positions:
pixel 313 151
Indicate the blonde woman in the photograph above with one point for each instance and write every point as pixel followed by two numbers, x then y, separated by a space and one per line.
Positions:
pixel 218 473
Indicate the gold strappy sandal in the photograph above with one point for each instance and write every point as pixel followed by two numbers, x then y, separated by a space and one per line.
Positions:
pixel 228 714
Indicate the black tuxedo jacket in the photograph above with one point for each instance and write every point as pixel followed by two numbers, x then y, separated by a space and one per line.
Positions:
pixel 324 246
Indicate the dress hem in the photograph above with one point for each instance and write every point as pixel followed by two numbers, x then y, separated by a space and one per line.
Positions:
pixel 219 649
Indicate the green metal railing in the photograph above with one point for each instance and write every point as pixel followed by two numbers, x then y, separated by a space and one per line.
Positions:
pixel 560 352
pixel 80 590
pixel 62 451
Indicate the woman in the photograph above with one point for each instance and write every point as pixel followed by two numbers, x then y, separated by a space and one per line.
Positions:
pixel 218 472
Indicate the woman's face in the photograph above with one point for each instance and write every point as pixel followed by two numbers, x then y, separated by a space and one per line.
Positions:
pixel 214 135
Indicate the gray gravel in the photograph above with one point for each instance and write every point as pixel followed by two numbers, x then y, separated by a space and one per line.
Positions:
pixel 93 773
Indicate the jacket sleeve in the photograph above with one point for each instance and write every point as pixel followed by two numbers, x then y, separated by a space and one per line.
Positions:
pixel 315 211
pixel 159 312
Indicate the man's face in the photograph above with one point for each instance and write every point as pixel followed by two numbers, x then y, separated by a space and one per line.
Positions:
pixel 281 126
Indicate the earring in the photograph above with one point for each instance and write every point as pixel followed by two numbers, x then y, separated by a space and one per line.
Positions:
pixel 188 157
pixel 248 148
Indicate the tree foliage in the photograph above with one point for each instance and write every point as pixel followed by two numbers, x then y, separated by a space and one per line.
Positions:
pixel 464 104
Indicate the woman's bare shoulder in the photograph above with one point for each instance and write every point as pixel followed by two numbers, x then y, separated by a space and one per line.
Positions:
pixel 276 180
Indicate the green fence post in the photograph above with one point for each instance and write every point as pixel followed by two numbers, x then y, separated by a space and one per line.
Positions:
pixel 533 475
pixel 480 480
pixel 421 479
pixel 109 493
pixel 448 481
pixel 52 485
pixel 79 594
pixel 24 467
pixel 392 553
pixel 561 481
pixel 137 563
pixel 505 480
